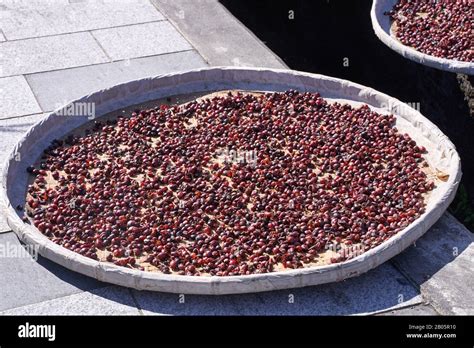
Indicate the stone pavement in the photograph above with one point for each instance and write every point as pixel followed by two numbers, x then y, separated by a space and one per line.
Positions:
pixel 55 51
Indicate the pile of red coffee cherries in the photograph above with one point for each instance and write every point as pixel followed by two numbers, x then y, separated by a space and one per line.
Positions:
pixel 153 191
pixel 438 28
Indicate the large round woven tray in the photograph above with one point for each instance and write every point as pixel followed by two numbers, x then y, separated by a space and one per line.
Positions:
pixel 442 157
pixel 383 29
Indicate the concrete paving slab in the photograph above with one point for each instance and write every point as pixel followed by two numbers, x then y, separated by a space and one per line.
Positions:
pixel 21 22
pixel 6 5
pixel 49 53
pixel 10 132
pixel 4 228
pixel 442 264
pixel 25 281
pixel 376 290
pixel 16 97
pixel 414 301
pixel 141 40
pixel 217 35
pixel 421 309
pixel 55 88
pixel 111 300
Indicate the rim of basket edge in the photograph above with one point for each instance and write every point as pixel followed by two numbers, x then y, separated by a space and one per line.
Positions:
pixel 30 233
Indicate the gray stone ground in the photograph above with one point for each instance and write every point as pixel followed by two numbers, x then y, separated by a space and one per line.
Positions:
pixel 55 51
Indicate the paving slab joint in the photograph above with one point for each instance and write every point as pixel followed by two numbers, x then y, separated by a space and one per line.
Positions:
pixel 177 28
pixel 137 305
